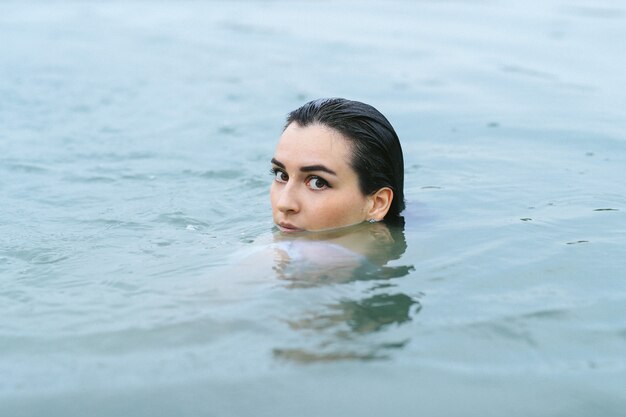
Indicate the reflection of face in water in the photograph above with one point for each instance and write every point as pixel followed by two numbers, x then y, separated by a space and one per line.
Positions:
pixel 365 329
pixel 340 257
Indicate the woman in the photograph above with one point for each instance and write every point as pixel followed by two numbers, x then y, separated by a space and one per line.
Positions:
pixel 337 197
pixel 338 163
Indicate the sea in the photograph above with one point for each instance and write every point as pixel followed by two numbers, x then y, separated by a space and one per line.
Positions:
pixel 140 270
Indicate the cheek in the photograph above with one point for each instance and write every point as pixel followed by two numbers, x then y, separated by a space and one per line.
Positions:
pixel 340 211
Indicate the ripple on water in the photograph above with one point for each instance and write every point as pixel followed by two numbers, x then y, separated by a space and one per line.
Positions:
pixel 115 156
pixel 117 224
pixel 26 168
pixel 138 177
pixel 179 219
pixel 594 12
pixel 577 206
pixel 215 174
pixel 90 179
pixel 529 72
pixel 37 256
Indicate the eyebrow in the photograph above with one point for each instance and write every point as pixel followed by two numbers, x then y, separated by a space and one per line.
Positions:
pixel 308 168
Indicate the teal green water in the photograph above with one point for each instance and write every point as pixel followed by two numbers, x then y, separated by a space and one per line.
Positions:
pixel 139 273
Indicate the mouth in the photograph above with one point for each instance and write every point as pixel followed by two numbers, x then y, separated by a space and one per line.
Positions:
pixel 288 227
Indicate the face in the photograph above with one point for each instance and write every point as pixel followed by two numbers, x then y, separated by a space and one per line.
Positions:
pixel 314 186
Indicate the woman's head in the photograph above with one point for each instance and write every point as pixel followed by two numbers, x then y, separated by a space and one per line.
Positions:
pixel 338 163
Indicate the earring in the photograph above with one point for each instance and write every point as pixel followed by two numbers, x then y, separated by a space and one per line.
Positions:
pixel 372 220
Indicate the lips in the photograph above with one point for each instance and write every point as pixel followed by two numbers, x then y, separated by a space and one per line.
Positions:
pixel 288 227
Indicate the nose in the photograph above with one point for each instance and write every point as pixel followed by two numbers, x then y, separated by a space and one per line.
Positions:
pixel 288 201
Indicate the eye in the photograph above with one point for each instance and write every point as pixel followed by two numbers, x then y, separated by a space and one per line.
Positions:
pixel 279 175
pixel 317 183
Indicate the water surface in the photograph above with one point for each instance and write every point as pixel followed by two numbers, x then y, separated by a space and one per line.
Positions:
pixel 138 266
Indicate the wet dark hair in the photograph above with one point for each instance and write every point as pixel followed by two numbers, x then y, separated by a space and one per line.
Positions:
pixel 376 151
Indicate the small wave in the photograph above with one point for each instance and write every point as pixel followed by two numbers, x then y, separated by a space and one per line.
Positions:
pixel 117 224
pixel 214 174
pixel 594 12
pixel 38 256
pixel 96 179
pixel 27 168
pixel 178 218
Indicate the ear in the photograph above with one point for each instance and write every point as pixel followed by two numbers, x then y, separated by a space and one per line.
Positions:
pixel 380 203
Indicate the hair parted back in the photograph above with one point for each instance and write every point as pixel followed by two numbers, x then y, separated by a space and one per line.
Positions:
pixel 376 152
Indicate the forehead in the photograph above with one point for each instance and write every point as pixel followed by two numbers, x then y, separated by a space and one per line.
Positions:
pixel 313 144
